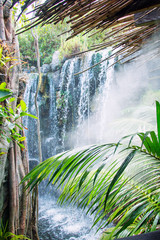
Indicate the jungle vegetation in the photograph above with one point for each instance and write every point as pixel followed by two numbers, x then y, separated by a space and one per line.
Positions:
pixel 50 40
pixel 117 182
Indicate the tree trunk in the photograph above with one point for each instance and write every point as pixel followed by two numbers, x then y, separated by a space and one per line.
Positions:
pixel 8 27
pixel 12 197
pixel 35 36
pixel 24 201
pixel 16 207
pixel 35 213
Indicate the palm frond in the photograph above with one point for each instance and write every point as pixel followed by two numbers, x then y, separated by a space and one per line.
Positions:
pixel 118 183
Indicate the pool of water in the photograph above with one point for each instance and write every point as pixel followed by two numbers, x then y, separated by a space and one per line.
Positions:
pixel 59 222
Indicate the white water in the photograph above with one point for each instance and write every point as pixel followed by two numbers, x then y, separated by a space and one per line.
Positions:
pixel 65 222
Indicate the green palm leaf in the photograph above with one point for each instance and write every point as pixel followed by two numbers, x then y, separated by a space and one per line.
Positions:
pixel 120 181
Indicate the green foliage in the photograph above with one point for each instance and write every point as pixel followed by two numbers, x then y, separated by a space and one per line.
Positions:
pixel 9 117
pixel 5 235
pixel 4 92
pixel 27 50
pixel 50 41
pixel 94 38
pixel 120 181
pixel 48 59
pixel 4 60
pixel 62 98
pixel 70 47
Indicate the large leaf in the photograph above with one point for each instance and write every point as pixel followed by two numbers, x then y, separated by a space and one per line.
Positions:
pixel 4 94
pixel 119 173
pixel 22 114
pixel 120 181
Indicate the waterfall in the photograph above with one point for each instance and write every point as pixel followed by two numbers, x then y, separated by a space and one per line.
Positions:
pixel 30 123
pixel 68 104
pixel 66 81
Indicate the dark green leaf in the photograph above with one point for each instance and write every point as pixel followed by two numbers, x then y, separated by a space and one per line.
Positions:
pixel 119 173
pixel 4 94
pixel 83 178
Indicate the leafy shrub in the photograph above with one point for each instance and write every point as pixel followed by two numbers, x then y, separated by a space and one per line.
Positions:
pixel 27 50
pixel 48 59
pixel 50 41
pixel 9 117
pixel 6 59
pixel 71 47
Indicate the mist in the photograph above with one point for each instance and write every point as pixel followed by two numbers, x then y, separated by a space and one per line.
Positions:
pixel 126 103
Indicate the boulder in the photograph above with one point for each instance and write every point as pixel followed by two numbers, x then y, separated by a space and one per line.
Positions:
pixel 55 65
pixel 33 69
pixel 45 68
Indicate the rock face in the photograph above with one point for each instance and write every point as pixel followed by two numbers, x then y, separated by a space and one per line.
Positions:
pixel 55 65
pixel 45 68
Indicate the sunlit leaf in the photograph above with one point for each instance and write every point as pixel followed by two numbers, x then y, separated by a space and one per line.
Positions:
pixel 27 114
pixel 23 105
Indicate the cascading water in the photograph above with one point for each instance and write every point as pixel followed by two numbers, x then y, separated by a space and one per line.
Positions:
pixel 66 102
pixel 67 76
pixel 95 86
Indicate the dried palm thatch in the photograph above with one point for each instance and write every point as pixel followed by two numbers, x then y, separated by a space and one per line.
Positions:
pixel 116 17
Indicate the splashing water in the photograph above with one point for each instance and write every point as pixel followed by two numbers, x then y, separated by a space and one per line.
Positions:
pixel 67 222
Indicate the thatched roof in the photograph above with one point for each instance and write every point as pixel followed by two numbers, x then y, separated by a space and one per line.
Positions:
pixel 116 16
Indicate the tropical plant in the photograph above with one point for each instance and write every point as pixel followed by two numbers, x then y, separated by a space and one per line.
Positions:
pixel 4 60
pixel 71 47
pixel 48 39
pixel 119 182
pixel 4 234
pixel 9 117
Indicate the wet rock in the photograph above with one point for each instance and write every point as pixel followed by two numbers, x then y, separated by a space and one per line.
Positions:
pixel 33 163
pixel 55 65
pixel 45 68
pixel 33 69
